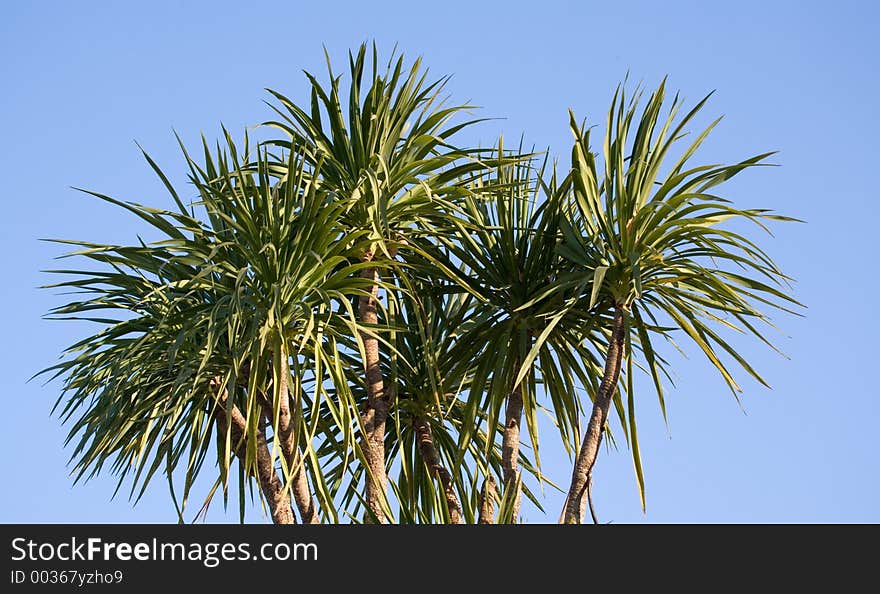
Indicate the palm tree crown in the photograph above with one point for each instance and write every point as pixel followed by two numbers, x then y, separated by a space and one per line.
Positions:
pixel 650 241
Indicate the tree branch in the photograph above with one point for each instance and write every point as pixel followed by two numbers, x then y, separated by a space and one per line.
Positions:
pixel 428 451
pixel 488 496
pixel 273 490
pixel 292 458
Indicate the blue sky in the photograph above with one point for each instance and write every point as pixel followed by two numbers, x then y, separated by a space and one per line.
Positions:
pixel 82 81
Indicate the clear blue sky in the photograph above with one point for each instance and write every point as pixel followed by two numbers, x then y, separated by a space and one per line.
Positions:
pixel 83 80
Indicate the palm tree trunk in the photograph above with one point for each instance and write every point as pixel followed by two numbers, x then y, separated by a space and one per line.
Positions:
pixel 274 493
pixel 428 451
pixel 272 486
pixel 487 501
pixel 302 495
pixel 287 438
pixel 377 405
pixel 576 503
pixel 510 447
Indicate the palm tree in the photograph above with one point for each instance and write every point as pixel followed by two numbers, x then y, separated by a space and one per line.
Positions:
pixel 357 318
pixel 432 477
pixel 431 410
pixel 525 328
pixel 214 332
pixel 393 166
pixel 658 262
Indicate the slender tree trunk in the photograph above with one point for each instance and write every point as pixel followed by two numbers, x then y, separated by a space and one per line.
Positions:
pixel 302 495
pixel 487 501
pixel 510 447
pixel 576 503
pixel 274 493
pixel 377 404
pixel 292 458
pixel 428 451
pixel 273 487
